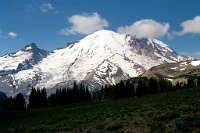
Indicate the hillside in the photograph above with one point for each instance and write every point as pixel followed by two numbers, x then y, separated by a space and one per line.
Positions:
pixel 175 71
pixel 177 111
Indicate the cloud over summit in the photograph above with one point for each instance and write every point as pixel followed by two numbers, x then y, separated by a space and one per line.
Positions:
pixel 85 24
pixel 145 28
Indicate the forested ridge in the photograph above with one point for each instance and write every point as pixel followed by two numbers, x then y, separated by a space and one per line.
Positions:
pixel 136 87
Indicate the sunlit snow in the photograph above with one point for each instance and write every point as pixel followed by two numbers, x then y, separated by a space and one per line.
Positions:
pixel 10 62
pixel 195 63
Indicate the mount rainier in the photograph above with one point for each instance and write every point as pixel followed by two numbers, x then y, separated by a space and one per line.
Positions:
pixel 104 57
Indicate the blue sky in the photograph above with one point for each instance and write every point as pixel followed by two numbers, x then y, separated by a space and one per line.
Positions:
pixel 53 23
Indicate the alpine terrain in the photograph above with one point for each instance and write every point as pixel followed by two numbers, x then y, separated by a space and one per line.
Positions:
pixel 104 57
pixel 175 71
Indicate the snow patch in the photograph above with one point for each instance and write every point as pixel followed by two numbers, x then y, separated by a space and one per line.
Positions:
pixel 183 69
pixel 195 63
pixel 183 64
pixel 174 68
pixel 29 48
pixel 169 79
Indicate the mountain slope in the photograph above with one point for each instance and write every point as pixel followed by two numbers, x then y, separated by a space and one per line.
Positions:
pixel 103 57
pixel 175 71
pixel 83 57
pixel 21 60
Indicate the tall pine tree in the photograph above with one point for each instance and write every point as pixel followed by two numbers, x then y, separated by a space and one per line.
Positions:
pixel 32 99
pixel 20 103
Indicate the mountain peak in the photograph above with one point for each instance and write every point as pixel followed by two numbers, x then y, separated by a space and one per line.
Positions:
pixel 103 32
pixel 22 59
pixel 30 47
pixel 100 34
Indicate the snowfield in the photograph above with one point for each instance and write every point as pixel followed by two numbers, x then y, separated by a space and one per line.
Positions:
pixel 11 61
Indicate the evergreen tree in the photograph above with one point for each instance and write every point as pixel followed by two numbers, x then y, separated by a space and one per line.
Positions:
pixel 20 103
pixel 11 103
pixel 106 92
pixel 138 90
pixel 153 86
pixel 190 83
pixel 132 90
pixel 127 89
pixel 43 98
pixel 116 92
pixel 88 97
pixel 75 92
pixel 52 100
pixel 198 82
pixel 59 97
pixel 82 93
pixel 144 88
pixel 141 88
pixel 32 99
pixel 38 99
pixel 102 93
pixel 4 106
pixel 121 89
pixel 64 96
pixel 177 86
pixel 97 95
pixel 69 96
pixel 162 85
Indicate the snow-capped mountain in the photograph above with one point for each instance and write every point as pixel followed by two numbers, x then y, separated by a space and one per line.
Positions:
pixel 21 60
pixel 104 57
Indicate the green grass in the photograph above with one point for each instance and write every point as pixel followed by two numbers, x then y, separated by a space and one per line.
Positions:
pixel 170 112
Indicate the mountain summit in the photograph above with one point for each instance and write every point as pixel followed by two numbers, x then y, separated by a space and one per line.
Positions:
pixel 23 59
pixel 104 57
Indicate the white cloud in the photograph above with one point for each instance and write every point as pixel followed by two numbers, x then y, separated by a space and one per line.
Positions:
pixel 85 24
pixel 189 26
pixel 45 7
pixel 12 34
pixel 145 28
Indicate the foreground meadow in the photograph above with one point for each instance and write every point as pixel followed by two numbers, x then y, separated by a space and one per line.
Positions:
pixel 177 111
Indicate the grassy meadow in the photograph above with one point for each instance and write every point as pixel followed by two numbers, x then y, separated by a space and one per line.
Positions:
pixel 171 112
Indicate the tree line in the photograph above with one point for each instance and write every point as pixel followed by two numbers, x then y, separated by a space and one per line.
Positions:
pixel 137 87
pixel 142 86
pixel 66 96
